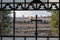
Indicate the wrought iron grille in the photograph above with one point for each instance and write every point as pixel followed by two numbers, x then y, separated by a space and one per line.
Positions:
pixel 36 5
pixel 28 6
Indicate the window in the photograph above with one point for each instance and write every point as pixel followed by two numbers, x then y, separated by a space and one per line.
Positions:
pixel 29 19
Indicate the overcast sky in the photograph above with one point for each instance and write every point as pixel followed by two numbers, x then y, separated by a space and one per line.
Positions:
pixel 31 13
pixel 28 0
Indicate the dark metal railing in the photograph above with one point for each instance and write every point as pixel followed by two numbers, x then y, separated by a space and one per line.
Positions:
pixel 13 7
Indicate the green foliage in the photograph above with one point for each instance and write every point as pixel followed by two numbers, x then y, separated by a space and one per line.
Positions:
pixel 54 21
pixel 5 22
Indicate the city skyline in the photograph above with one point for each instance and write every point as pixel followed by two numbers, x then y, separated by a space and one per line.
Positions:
pixel 31 13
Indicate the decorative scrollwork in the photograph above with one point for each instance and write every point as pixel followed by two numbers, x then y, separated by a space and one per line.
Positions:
pixel 7 5
pixel 30 4
pixel 53 4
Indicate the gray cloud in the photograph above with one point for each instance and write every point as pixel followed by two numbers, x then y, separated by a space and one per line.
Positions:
pixel 21 0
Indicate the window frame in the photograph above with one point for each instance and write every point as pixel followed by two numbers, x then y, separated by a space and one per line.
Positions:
pixel 1 3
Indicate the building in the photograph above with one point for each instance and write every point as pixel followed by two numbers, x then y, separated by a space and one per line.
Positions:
pixel 27 28
pixel 30 17
pixel 23 28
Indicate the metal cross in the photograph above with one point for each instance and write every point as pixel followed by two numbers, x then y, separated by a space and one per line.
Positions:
pixel 36 25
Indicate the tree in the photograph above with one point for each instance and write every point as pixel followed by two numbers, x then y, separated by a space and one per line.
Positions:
pixel 5 22
pixel 54 22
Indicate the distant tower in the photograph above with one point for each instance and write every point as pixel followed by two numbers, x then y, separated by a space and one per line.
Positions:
pixel 41 16
pixel 23 16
